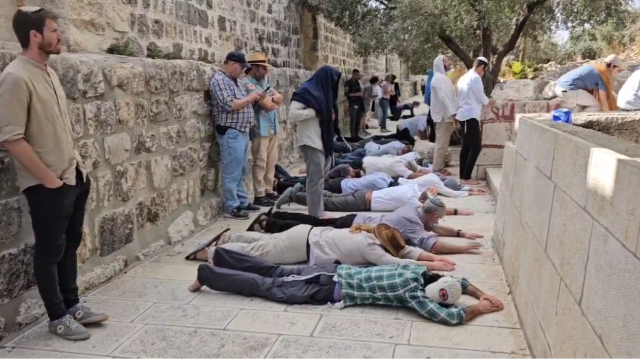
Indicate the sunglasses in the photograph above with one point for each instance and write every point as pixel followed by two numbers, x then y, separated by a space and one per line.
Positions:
pixel 30 9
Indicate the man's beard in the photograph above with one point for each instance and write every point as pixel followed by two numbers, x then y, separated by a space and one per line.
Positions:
pixel 51 48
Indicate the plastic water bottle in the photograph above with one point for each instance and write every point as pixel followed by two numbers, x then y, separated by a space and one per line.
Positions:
pixel 562 115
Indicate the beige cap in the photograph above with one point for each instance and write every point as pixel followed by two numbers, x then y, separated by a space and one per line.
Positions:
pixel 614 60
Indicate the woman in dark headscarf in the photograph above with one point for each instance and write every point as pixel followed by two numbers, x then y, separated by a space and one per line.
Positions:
pixel 314 107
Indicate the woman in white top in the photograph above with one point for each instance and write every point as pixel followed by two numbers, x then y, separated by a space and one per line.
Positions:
pixel 314 108
pixel 359 245
pixel 471 98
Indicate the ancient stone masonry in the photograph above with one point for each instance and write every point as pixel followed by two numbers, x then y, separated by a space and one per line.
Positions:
pixel 143 129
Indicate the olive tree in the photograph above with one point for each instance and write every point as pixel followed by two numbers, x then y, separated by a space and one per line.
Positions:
pixel 419 30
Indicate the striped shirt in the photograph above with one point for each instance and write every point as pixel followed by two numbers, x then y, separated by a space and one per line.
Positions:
pixel 224 90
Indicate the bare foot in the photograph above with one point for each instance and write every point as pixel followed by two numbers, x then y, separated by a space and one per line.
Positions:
pixel 477 192
pixel 223 239
pixel 203 255
pixel 302 171
pixel 196 286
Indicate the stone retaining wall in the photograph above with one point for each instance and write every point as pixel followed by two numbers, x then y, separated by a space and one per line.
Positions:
pixel 144 131
pixel 567 232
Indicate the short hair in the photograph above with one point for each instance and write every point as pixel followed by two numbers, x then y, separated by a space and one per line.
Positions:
pixel 433 205
pixel 374 80
pixel 480 63
pixel 355 71
pixel 416 103
pixel 24 22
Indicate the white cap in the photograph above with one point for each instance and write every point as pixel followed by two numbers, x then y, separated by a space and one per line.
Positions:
pixel 483 59
pixel 614 60
pixel 446 290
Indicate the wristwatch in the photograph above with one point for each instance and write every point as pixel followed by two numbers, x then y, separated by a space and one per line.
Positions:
pixel 459 233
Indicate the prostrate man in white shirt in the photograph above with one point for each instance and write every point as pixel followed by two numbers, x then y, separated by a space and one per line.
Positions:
pixel 446 186
pixel 471 98
pixel 383 200
pixel 443 109
pixel 394 166
pixel 629 94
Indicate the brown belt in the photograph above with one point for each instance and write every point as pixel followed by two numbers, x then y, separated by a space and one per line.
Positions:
pixel 368 197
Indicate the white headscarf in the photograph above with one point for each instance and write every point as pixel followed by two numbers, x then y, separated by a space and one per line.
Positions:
pixel 443 94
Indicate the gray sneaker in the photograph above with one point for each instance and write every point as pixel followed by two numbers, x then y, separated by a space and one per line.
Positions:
pixel 67 328
pixel 86 316
pixel 285 198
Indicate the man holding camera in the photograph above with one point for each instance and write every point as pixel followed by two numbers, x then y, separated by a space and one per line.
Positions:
pixel 264 133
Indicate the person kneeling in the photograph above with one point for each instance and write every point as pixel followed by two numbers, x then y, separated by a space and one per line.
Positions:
pixel 402 285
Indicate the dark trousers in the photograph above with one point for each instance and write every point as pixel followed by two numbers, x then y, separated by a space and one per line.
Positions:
pixel 432 128
pixel 356 111
pixel 400 135
pixel 57 216
pixel 471 147
pixel 282 185
pixel 249 276
pixel 282 221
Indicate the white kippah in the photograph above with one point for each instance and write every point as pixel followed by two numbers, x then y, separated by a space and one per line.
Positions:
pixel 446 290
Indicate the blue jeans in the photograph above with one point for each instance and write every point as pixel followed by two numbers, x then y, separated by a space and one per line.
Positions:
pixel 384 112
pixel 357 154
pixel 234 153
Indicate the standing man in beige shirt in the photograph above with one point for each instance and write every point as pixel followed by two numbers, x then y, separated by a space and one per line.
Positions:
pixel 36 130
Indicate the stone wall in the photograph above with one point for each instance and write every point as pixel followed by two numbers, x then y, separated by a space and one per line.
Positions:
pixel 567 232
pixel 144 131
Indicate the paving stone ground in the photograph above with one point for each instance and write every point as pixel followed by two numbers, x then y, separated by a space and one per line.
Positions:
pixel 153 314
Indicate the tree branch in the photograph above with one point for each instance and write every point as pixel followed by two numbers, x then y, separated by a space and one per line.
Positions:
pixel 452 44
pixel 519 25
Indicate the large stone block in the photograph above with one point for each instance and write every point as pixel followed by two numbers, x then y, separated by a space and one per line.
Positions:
pixel 11 219
pixel 171 136
pixel 16 272
pixel 495 134
pixel 516 90
pixel 90 80
pixel 574 336
pixel 142 113
pixel 199 106
pixel 87 245
pixel 176 73
pixel 518 178
pixel 571 166
pixel 568 240
pixel 127 76
pixel 156 75
pixel 541 282
pixel 508 166
pixel 8 177
pixel 194 131
pixel 178 195
pixel 144 142
pixel 115 230
pixel 180 107
pixel 117 148
pixel 542 142
pixel 195 190
pixel 130 178
pixel 182 228
pixel 613 197
pixel 610 290
pixel 105 189
pixel 76 116
pixel 194 77
pixel 159 111
pixel 100 117
pixel 513 237
pixel 185 160
pixel 90 154
pixel 152 210
pixel 531 325
pixel 67 72
pixel 501 213
pixel 126 113
pixel 537 196
pixel 161 171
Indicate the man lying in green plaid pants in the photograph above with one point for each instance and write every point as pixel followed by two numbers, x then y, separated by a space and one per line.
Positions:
pixel 405 285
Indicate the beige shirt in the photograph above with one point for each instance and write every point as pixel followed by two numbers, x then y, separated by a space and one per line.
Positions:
pixel 309 132
pixel 33 106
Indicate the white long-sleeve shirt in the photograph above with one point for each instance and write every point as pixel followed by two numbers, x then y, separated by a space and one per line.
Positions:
pixel 430 180
pixel 471 96
pixel 443 95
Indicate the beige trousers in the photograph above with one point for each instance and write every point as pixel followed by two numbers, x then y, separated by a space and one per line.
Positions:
pixel 265 156
pixel 288 247
pixel 580 99
pixel 444 130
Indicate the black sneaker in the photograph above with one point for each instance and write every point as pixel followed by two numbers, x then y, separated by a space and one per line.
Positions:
pixel 263 201
pixel 236 214
pixel 251 208
pixel 272 196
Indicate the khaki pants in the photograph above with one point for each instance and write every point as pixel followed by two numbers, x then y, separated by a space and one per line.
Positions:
pixel 265 156
pixel 580 99
pixel 444 130
pixel 288 247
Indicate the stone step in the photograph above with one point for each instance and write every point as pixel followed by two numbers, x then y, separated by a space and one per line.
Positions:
pixel 494 178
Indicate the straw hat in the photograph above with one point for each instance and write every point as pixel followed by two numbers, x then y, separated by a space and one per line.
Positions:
pixel 390 238
pixel 258 58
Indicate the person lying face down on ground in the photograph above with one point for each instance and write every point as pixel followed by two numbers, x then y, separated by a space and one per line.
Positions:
pixel 372 182
pixel 404 285
pixel 418 225
pixel 395 148
pixel 394 166
pixel 360 245
pixel 446 186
